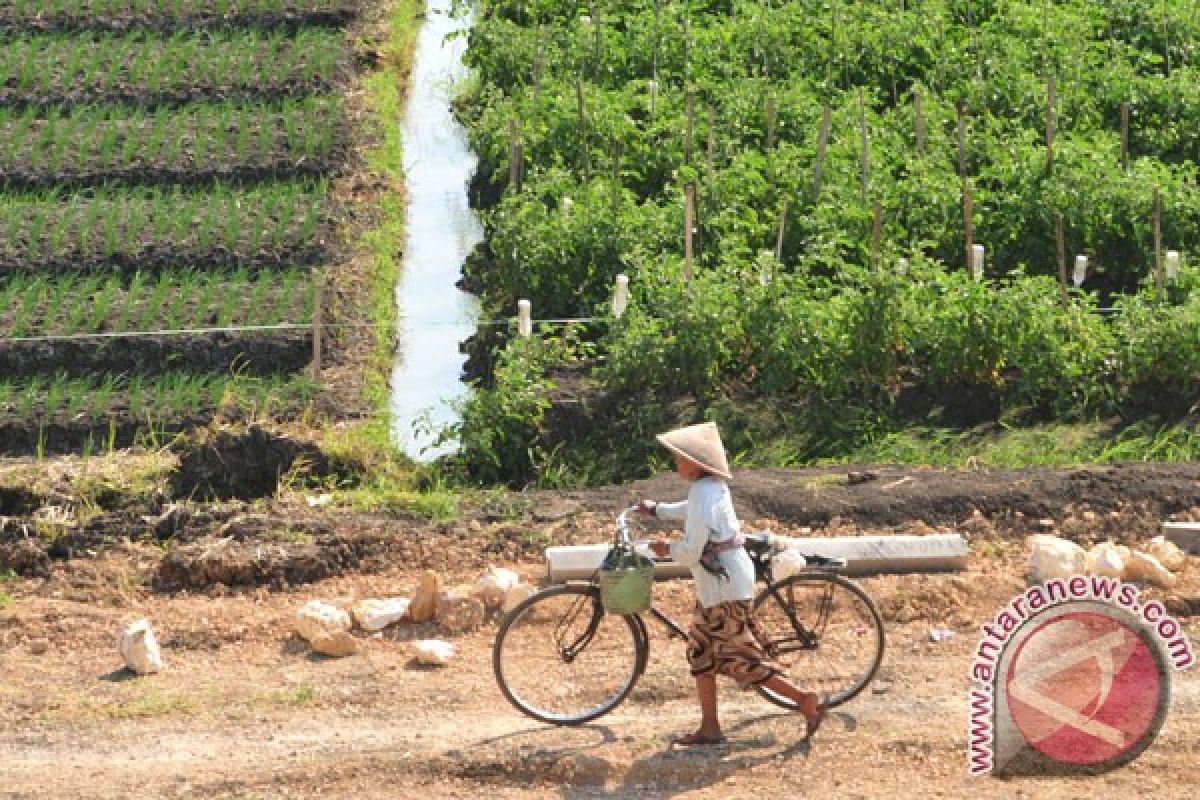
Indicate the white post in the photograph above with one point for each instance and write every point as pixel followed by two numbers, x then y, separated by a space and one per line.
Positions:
pixel 652 86
pixel 977 261
pixel 620 299
pixel 565 205
pixel 1079 273
pixel 524 319
pixel 1172 265
pixel 902 266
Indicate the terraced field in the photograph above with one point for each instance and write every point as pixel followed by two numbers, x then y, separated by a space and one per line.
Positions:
pixel 164 201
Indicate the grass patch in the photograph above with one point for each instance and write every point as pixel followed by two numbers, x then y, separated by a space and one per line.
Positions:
pixel 301 696
pixel 150 703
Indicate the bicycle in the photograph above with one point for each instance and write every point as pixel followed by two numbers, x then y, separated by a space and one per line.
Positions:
pixel 560 658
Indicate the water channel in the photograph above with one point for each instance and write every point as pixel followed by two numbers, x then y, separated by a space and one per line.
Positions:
pixel 434 316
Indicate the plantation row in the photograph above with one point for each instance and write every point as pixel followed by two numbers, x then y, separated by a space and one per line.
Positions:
pixel 171 15
pixel 59 70
pixel 62 413
pixel 601 112
pixel 98 145
pixel 172 300
pixel 760 169
pixel 275 225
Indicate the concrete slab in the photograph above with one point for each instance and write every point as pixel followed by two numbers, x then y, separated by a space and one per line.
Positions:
pixel 865 555
pixel 1186 535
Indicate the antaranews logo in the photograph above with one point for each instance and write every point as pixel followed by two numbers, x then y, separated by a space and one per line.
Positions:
pixel 1072 676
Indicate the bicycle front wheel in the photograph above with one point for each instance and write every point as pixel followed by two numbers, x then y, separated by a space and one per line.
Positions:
pixel 559 658
pixel 826 633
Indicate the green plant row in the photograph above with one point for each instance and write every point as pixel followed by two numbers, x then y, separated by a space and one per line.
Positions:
pixel 98 142
pixel 40 305
pixel 160 396
pixel 154 228
pixel 47 68
pixel 535 63
pixel 123 14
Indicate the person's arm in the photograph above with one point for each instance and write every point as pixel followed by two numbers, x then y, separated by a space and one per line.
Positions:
pixel 672 511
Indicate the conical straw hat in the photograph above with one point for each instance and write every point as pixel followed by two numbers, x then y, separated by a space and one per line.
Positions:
pixel 700 444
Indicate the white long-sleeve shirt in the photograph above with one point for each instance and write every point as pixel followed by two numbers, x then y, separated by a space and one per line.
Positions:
pixel 708 515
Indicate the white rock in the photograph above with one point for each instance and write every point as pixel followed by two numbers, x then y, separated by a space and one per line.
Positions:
pixel 374 614
pixel 787 564
pixel 139 648
pixel 337 644
pixel 1145 567
pixel 434 652
pixel 316 620
pixel 1052 557
pixel 1105 559
pixel 1167 553
pixel 492 585
pixel 514 596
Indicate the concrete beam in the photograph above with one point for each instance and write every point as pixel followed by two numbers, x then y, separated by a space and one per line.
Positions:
pixel 1186 535
pixel 865 555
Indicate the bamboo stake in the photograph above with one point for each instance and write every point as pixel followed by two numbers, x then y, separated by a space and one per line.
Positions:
pixel 1125 136
pixel 865 167
pixel 1158 267
pixel 961 108
pixel 1050 90
pixel 687 147
pixel 822 142
pixel 514 155
pixel 689 216
pixel 968 225
pixel 318 323
pixel 1062 260
pixel 919 115
pixel 779 235
pixel 876 233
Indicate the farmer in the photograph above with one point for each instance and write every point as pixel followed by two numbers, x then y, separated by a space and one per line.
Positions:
pixel 724 637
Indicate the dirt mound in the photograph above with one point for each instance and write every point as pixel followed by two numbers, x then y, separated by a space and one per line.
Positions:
pixel 244 464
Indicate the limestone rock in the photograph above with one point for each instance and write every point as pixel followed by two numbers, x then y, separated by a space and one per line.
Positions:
pixel 139 648
pixel 374 615
pixel 460 612
pixel 1106 559
pixel 434 652
pixel 338 644
pixel 1145 567
pixel 424 602
pixel 491 587
pixel 318 620
pixel 1052 557
pixel 1167 553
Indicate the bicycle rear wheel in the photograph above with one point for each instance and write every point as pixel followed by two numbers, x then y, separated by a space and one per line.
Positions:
pixel 827 633
pixel 559 658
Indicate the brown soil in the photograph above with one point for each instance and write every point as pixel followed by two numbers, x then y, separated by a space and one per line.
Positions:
pixel 244 709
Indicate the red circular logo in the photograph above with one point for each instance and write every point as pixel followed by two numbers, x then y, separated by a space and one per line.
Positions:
pixel 1084 688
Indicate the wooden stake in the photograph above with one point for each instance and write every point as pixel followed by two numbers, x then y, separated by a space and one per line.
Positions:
pixel 689 216
pixel 616 176
pixel 1125 136
pixel 712 143
pixel 514 155
pixel 1050 122
pixel 919 122
pixel 968 225
pixel 771 122
pixel 583 153
pixel 961 108
pixel 1062 260
pixel 779 235
pixel 876 233
pixel 865 166
pixel 1158 267
pixel 318 322
pixel 822 141
pixel 687 147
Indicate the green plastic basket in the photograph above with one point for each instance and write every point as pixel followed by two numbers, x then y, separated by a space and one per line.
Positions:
pixel 626 582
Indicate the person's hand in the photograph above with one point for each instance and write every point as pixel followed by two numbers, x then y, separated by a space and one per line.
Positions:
pixel 660 548
pixel 645 507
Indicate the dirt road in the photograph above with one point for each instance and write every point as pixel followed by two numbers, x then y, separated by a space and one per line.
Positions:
pixel 245 710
